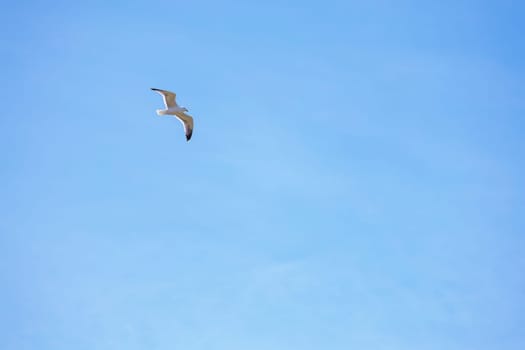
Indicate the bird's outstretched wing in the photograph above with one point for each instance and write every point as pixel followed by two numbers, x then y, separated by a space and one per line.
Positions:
pixel 187 122
pixel 169 97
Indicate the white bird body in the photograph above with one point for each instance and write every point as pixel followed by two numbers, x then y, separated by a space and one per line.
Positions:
pixel 171 111
pixel 172 108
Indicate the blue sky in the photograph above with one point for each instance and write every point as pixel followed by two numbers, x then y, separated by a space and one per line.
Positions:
pixel 354 181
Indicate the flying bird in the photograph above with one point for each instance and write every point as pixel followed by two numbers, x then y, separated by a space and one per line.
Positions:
pixel 172 108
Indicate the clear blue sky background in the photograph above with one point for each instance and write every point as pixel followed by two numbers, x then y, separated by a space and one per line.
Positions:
pixel 355 179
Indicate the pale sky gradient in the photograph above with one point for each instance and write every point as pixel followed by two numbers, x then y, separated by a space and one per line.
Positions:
pixel 355 178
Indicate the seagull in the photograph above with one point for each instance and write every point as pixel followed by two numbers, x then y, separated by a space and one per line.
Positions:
pixel 172 108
